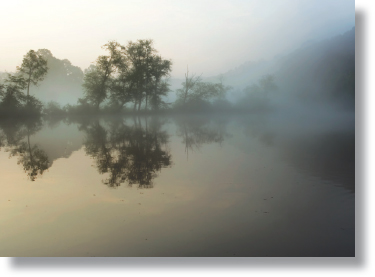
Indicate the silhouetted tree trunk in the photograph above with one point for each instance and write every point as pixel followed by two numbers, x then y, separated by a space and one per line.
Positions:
pixel 28 85
pixel 28 142
pixel 139 104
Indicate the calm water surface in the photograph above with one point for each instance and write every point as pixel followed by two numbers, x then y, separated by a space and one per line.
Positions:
pixel 256 185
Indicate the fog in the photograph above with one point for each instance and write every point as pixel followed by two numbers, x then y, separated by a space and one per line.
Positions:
pixel 292 61
pixel 213 37
pixel 199 128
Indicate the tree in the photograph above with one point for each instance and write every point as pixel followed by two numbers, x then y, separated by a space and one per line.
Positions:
pixel 194 92
pixel 33 68
pixel 139 54
pixel 11 94
pixel 122 87
pixel 159 87
pixel 187 86
pixel 98 77
pixel 146 72
pixel 128 74
pixel 93 86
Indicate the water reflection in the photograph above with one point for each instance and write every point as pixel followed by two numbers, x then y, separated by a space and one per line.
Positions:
pixel 322 150
pixel 328 156
pixel 260 175
pixel 13 135
pixel 197 131
pixel 133 150
pixel 131 153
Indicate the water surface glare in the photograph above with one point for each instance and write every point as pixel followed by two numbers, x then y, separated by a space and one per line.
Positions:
pixel 255 185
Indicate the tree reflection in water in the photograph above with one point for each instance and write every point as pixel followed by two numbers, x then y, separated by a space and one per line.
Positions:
pixel 128 153
pixel 13 135
pixel 196 132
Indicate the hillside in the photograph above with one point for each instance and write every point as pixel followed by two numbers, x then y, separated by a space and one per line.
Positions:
pixel 321 72
pixel 317 71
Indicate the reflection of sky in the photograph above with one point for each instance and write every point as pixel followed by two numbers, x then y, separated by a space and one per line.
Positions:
pixel 222 201
pixel 211 36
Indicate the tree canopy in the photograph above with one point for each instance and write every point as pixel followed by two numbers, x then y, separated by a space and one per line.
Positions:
pixel 33 68
pixel 134 73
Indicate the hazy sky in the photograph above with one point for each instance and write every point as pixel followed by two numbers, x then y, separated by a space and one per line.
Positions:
pixel 211 36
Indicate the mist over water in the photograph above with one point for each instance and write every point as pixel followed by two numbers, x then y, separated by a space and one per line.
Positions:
pixel 245 185
pixel 178 131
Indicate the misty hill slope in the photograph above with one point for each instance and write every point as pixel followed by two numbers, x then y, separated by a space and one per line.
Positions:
pixel 317 71
pixel 321 72
pixel 246 74
pixel 63 82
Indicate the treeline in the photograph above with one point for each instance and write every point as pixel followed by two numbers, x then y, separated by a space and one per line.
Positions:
pixel 194 96
pixel 321 72
pixel 129 78
pixel 134 78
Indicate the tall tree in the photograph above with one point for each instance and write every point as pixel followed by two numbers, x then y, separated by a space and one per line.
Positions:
pixel 159 87
pixel 138 55
pixel 128 74
pixel 122 87
pixel 188 86
pixel 33 68
pixel 93 84
pixel 97 79
pixel 146 72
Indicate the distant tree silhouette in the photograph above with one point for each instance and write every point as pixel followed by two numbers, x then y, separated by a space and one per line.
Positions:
pixel 98 77
pixel 11 94
pixel 188 86
pixel 14 102
pixel 63 81
pixel 145 73
pixel 33 68
pixel 196 94
pixel 132 73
